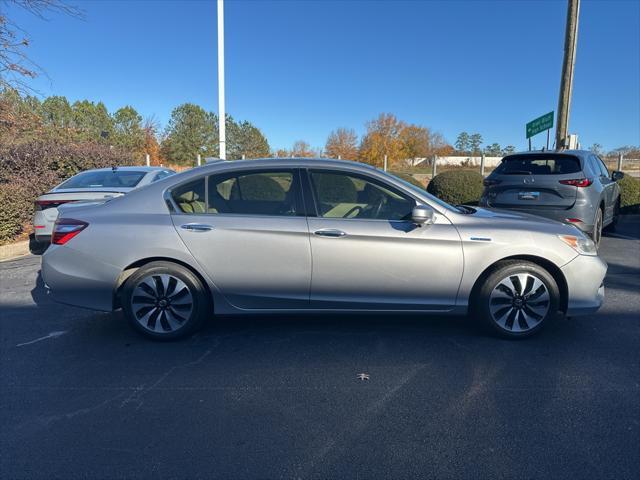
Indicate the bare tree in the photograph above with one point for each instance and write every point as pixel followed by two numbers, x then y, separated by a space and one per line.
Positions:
pixel 302 149
pixel 16 69
pixel 342 143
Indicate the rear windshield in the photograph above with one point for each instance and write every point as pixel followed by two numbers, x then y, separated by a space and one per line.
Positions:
pixel 105 178
pixel 543 164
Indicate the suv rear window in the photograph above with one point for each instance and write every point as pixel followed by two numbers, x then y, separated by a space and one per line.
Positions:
pixel 543 164
pixel 105 179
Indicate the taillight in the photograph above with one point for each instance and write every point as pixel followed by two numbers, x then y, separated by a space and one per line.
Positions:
pixel 488 182
pixel 65 229
pixel 44 204
pixel 577 182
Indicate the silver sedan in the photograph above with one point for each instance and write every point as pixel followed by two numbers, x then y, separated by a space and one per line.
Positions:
pixel 302 235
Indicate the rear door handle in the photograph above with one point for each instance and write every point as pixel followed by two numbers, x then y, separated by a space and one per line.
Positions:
pixel 330 232
pixel 196 227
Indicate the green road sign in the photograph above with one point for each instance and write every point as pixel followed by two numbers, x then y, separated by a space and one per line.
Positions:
pixel 540 124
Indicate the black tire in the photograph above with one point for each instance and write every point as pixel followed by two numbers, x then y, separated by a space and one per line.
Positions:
pixel 596 232
pixel 616 217
pixel 524 314
pixel 36 247
pixel 171 309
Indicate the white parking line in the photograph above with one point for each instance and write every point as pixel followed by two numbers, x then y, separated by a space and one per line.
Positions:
pixel 51 335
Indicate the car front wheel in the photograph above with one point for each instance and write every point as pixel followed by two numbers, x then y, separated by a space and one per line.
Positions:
pixel 164 301
pixel 517 299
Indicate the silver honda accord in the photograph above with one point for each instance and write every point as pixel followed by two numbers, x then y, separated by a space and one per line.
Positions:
pixel 314 235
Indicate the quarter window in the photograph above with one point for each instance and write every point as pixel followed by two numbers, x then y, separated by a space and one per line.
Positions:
pixel 255 193
pixel 339 195
pixel 190 197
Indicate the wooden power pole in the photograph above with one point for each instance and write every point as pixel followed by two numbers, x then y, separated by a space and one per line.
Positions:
pixel 566 81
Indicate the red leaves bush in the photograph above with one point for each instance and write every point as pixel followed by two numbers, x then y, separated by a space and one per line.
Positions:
pixel 28 170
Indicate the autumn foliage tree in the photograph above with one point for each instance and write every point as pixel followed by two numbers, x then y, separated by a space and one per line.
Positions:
pixel 401 142
pixel 382 138
pixel 342 143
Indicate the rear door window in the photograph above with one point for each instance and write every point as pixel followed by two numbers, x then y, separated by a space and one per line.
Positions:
pixel 255 193
pixel 603 168
pixel 543 164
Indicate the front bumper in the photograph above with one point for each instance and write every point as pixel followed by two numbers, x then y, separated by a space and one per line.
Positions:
pixel 584 275
pixel 76 279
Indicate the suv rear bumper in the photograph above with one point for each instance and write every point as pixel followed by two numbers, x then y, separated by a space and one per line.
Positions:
pixel 559 214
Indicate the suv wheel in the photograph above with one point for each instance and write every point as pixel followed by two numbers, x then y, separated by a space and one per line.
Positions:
pixel 164 301
pixel 517 299
pixel 596 233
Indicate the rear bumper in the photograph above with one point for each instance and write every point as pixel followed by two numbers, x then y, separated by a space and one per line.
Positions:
pixel 43 221
pixel 584 275
pixel 76 279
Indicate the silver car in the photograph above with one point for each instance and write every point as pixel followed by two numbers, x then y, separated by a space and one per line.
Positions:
pixel 314 235
pixel 572 186
pixel 95 185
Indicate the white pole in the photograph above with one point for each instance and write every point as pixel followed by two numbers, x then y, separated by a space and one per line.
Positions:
pixel 221 112
pixel 385 163
pixel 148 160
pixel 199 160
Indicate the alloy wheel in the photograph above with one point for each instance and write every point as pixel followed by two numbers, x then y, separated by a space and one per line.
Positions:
pixel 519 302
pixel 161 303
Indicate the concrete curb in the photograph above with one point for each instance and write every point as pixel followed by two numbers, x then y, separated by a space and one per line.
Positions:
pixel 13 250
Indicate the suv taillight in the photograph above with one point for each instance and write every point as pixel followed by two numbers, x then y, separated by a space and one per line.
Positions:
pixel 577 182
pixel 65 229
pixel 488 182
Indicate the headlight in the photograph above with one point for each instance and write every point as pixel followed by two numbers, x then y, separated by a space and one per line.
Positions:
pixel 581 244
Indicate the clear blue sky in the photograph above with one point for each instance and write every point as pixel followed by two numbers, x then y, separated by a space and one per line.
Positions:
pixel 298 69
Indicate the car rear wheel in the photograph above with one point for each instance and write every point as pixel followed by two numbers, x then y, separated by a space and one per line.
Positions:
pixel 517 299
pixel 165 301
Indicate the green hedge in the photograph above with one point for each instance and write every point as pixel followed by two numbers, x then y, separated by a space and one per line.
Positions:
pixel 28 170
pixel 629 194
pixel 457 187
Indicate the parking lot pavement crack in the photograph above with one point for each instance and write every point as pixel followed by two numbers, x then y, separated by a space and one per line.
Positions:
pixel 136 397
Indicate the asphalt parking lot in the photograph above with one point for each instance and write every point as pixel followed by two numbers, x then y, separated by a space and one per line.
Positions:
pixel 83 396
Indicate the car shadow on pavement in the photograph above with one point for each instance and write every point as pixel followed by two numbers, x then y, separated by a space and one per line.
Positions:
pixel 39 292
pixel 628 228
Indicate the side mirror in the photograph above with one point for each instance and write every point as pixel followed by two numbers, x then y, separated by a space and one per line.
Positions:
pixel 617 175
pixel 422 215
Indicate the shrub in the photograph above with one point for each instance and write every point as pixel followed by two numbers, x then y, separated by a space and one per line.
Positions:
pixel 629 194
pixel 457 186
pixel 15 210
pixel 407 177
pixel 30 169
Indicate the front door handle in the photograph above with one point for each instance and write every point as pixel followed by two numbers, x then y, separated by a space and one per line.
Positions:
pixel 196 227
pixel 330 232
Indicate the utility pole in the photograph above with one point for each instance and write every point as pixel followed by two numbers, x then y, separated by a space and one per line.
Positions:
pixel 221 112
pixel 566 81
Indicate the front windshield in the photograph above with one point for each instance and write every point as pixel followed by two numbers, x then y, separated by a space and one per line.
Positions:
pixel 421 191
pixel 105 179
